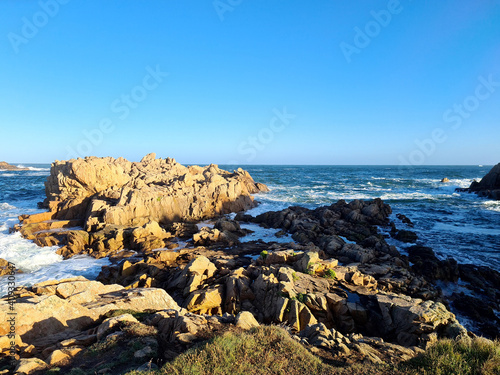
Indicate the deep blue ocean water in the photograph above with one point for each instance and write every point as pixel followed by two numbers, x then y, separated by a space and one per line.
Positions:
pixel 460 225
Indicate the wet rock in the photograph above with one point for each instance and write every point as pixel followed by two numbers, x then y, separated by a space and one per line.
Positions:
pixel 489 186
pixel 406 236
pixel 427 264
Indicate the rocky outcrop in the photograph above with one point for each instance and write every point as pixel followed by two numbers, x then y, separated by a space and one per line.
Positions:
pixel 124 205
pixel 53 310
pixel 102 191
pixel 8 167
pixel 489 186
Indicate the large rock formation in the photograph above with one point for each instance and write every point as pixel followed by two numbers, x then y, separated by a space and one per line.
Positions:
pixel 489 186
pixel 103 191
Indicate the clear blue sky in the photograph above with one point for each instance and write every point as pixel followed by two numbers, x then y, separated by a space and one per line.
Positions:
pixel 252 81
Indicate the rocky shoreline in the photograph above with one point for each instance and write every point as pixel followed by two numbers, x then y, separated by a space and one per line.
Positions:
pixel 339 287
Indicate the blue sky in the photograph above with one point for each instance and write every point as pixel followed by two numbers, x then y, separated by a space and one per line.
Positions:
pixel 251 81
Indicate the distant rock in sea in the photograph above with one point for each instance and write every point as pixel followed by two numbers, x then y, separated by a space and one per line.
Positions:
pixel 8 167
pixel 489 186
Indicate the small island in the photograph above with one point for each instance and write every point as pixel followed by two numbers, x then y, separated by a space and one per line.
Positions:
pixel 8 167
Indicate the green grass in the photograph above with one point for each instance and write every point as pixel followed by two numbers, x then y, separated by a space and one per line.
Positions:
pixel 466 357
pixel 263 350
pixel 294 276
pixel 264 254
pixel 330 274
pixel 270 350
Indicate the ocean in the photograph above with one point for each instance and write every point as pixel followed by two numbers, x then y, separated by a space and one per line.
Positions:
pixel 459 225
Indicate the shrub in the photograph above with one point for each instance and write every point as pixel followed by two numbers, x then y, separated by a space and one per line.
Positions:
pixel 264 254
pixel 330 274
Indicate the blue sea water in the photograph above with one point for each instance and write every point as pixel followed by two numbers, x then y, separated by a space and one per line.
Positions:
pixel 460 225
pixel 20 191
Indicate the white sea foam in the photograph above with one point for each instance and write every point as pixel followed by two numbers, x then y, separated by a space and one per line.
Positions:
pixel 79 265
pixel 206 223
pixel 38 169
pixel 27 256
pixel 466 228
pixel 267 235
pixel 7 207
pixel 492 205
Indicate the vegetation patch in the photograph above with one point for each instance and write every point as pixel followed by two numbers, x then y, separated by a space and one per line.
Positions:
pixel 330 274
pixel 464 357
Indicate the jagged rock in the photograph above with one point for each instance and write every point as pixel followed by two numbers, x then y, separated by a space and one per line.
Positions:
pixel 406 236
pixel 206 301
pixel 307 262
pixel 105 191
pixel 426 263
pixel 198 270
pixel 412 322
pixel 489 186
pixel 6 268
pixel 183 230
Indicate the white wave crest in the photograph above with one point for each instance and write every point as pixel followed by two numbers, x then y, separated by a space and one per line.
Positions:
pixel 6 207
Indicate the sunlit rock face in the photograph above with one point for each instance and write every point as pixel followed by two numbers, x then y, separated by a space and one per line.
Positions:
pixel 104 191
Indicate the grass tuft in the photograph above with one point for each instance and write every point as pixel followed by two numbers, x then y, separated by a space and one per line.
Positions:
pixel 464 357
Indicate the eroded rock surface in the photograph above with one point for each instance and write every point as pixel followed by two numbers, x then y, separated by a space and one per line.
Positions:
pixel 103 191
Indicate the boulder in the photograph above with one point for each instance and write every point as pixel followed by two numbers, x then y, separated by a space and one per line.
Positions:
pixel 246 320
pixel 30 365
pixel 110 323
